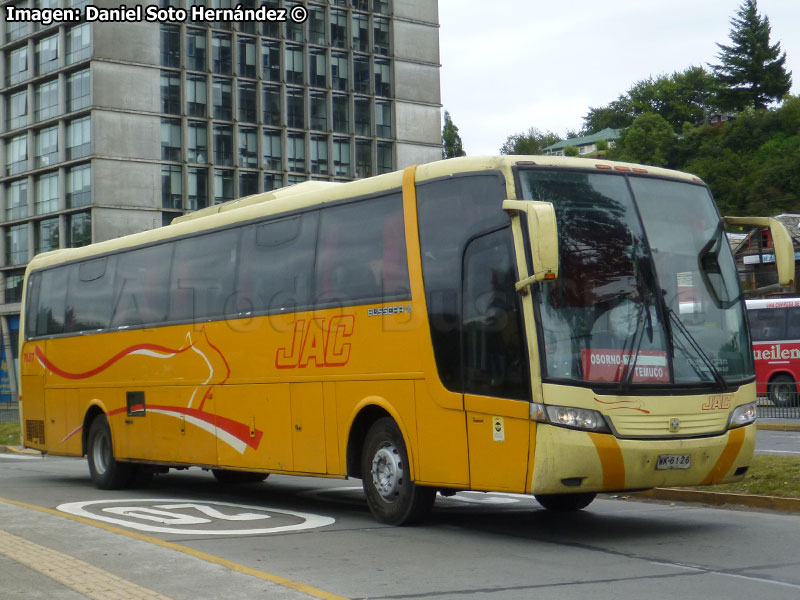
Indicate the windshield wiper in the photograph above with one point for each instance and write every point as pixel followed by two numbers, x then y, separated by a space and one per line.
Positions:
pixel 718 379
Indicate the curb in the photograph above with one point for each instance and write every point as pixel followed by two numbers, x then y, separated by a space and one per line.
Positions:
pixel 18 450
pixel 778 503
pixel 778 426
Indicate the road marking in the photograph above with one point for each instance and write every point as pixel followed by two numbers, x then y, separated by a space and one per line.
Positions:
pixel 777 452
pixel 233 566
pixel 71 572
pixel 130 514
pixel 20 457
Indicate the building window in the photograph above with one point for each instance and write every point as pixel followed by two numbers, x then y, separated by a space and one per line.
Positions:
pixel 381 35
pixel 295 113
pixel 339 71
pixel 196 95
pixel 361 116
pixel 18 29
pixel 46 235
pixel 17 66
pixel 47 54
pixel 171 186
pixel 79 43
pixel 17 154
pixel 79 140
pixel 272 150
pixel 197 188
pixel 341 120
pixel 247 57
pixel 316 25
pixel 360 32
pixel 294 65
pixel 271 28
pixel 383 119
pixel 247 101
pixel 79 186
pixel 170 92
pixel 295 179
pixel 338 28
pixel 46 194
pixel 271 104
pixel 17 202
pixel 196 49
pixel 270 61
pixel 294 31
pixel 46 150
pixel 272 181
pixel 223 186
pixel 196 142
pixel 319 155
pixel 46 99
pixel 223 145
pixel 383 77
pixel 248 147
pixel 80 230
pixel 380 6
pixel 385 158
pixel 18 110
pixel 248 184
pixel 319 111
pixel 79 90
pixel 363 159
pixel 222 99
pixel 361 74
pixel 14 282
pixel 317 68
pixel 296 152
pixel 171 139
pixel 341 157
pixel 361 4
pixel 17 244
pixel 171 46
pixel 221 53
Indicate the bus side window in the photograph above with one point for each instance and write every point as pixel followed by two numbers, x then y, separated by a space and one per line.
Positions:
pixel 793 324
pixel 141 292
pixel 89 295
pixel 767 324
pixel 53 301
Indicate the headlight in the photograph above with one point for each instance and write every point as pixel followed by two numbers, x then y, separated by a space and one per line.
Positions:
pixel 742 415
pixel 570 417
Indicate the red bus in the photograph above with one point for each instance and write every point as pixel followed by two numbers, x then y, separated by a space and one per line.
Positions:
pixel 775 327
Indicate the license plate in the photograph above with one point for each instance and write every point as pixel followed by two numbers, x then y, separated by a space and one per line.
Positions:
pixel 674 461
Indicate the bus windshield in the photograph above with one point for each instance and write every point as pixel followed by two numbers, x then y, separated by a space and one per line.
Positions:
pixel 647 292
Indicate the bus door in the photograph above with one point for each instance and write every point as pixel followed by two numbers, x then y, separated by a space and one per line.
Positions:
pixel 494 365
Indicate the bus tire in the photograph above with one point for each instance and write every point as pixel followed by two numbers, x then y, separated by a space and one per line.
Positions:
pixel 783 391
pixel 107 473
pixel 392 496
pixel 565 502
pixel 229 476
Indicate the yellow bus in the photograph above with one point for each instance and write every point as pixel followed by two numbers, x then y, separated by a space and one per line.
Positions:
pixel 543 325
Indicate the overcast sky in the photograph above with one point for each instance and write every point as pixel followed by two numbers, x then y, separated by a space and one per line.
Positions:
pixel 508 65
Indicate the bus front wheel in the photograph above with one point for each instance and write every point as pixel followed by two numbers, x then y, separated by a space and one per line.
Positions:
pixel 392 496
pixel 565 502
pixel 783 391
pixel 106 472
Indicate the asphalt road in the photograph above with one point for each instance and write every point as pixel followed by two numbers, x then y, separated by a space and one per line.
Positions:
pixel 778 442
pixel 319 533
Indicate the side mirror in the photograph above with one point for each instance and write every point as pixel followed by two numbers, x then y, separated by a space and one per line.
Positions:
pixel 542 236
pixel 781 241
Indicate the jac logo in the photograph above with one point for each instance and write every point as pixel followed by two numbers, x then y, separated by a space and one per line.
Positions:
pixel 718 402
pixel 319 341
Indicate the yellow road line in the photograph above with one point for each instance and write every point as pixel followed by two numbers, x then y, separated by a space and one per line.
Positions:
pixel 239 568
pixel 82 577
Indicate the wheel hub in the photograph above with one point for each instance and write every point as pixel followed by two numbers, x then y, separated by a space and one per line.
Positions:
pixel 387 472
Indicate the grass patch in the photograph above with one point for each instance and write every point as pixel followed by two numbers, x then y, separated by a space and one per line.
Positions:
pixel 769 475
pixel 9 434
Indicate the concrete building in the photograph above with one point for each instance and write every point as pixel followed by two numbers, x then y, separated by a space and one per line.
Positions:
pixel 110 128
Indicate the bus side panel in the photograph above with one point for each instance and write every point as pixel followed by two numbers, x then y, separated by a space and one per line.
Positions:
pixel 308 428
pixel 441 439
pixel 61 417
pixel 32 398
pixel 265 410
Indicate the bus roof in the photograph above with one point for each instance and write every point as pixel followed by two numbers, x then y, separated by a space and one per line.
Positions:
pixel 761 303
pixel 311 193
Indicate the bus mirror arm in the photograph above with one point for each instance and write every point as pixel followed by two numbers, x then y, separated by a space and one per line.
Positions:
pixel 781 241
pixel 542 234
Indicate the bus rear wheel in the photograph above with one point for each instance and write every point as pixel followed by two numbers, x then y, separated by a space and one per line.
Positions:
pixel 392 496
pixel 565 502
pixel 229 476
pixel 107 473
pixel 783 391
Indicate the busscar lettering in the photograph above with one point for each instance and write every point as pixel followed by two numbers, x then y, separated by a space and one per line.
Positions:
pixel 318 341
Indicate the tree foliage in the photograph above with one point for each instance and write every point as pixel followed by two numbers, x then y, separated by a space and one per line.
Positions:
pixel 751 71
pixel 532 141
pixel 451 140
pixel 649 140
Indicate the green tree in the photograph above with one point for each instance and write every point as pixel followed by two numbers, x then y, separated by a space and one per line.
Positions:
pixel 752 71
pixel 451 141
pixel 532 141
pixel 649 140
pixel 571 151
